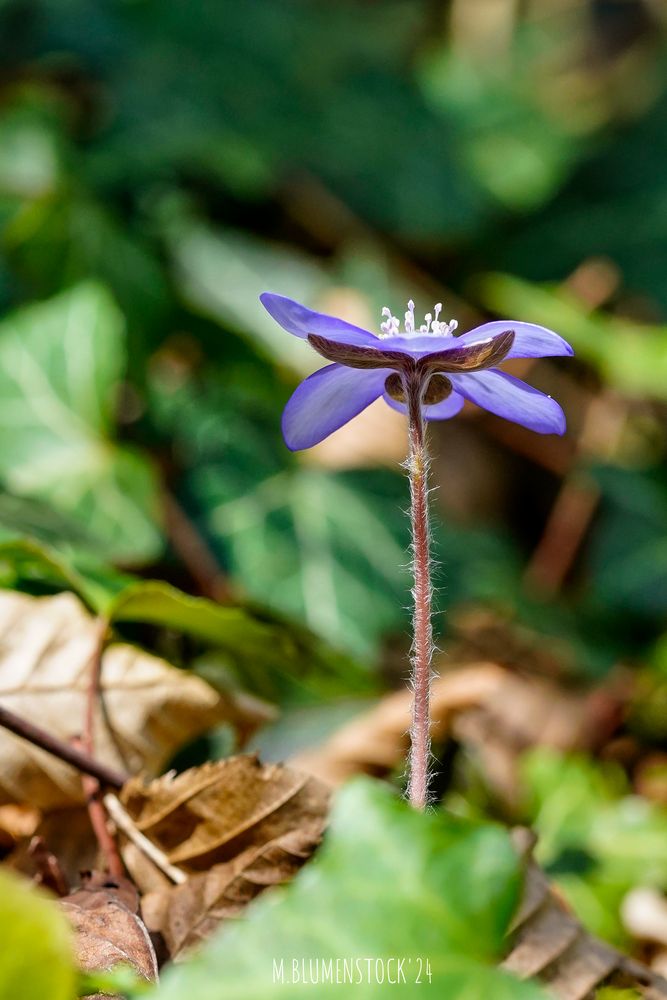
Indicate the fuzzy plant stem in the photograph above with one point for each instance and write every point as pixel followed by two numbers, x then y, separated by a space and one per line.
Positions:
pixel 422 637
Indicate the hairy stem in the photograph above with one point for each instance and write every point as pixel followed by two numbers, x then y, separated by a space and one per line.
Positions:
pixel 422 640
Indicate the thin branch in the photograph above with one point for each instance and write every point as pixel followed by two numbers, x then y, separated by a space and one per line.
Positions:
pixel 578 497
pixel 124 822
pixel 98 821
pixel 79 760
pixel 193 550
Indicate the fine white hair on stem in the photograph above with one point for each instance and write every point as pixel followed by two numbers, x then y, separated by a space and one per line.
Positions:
pixel 420 764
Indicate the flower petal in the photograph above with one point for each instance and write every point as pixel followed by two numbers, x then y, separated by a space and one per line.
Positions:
pixel 327 400
pixel 512 399
pixel 300 321
pixel 530 340
pixel 437 411
pixel 418 346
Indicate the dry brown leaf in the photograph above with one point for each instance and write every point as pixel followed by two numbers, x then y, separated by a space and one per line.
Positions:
pixel 548 942
pixel 16 822
pixel 527 712
pixel 235 826
pixel 104 913
pixel 150 707
pixel 187 914
pixel 482 634
pixel 68 836
pixel 494 711
pixel 376 741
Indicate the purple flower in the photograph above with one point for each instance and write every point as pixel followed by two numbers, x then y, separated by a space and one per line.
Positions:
pixel 450 369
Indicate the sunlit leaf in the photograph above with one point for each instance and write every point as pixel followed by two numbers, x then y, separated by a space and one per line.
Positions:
pixel 60 366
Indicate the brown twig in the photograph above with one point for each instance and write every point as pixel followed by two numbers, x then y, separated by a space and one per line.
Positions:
pixel 124 822
pixel 577 501
pixel 193 550
pixel 77 759
pixel 98 821
pixel 48 871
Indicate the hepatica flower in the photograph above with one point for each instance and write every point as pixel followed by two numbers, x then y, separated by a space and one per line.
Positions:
pixel 426 372
pixel 449 368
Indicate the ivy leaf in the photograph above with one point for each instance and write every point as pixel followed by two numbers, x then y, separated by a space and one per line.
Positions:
pixel 60 366
pixel 270 654
pixel 322 549
pixel 36 959
pixel 446 891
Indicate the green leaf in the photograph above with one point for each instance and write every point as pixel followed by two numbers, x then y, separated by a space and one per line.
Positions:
pixel 122 980
pixel 36 959
pixel 270 654
pixel 222 275
pixel 323 545
pixel 61 362
pixel 613 993
pixel 275 657
pixel 389 882
pixel 26 564
pixel 595 839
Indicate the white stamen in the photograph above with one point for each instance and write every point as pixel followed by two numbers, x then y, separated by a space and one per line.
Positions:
pixel 410 318
pixel 432 325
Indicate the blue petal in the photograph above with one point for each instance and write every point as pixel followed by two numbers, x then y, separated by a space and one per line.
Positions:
pixel 300 321
pixel 418 346
pixel 327 400
pixel 437 411
pixel 530 341
pixel 512 399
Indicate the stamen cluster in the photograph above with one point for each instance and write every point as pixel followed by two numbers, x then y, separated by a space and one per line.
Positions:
pixel 432 325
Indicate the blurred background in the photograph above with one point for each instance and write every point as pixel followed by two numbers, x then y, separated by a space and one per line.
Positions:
pixel 161 164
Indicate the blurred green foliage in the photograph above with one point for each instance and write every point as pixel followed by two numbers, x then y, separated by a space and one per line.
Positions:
pixel 39 955
pixel 596 840
pixel 160 166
